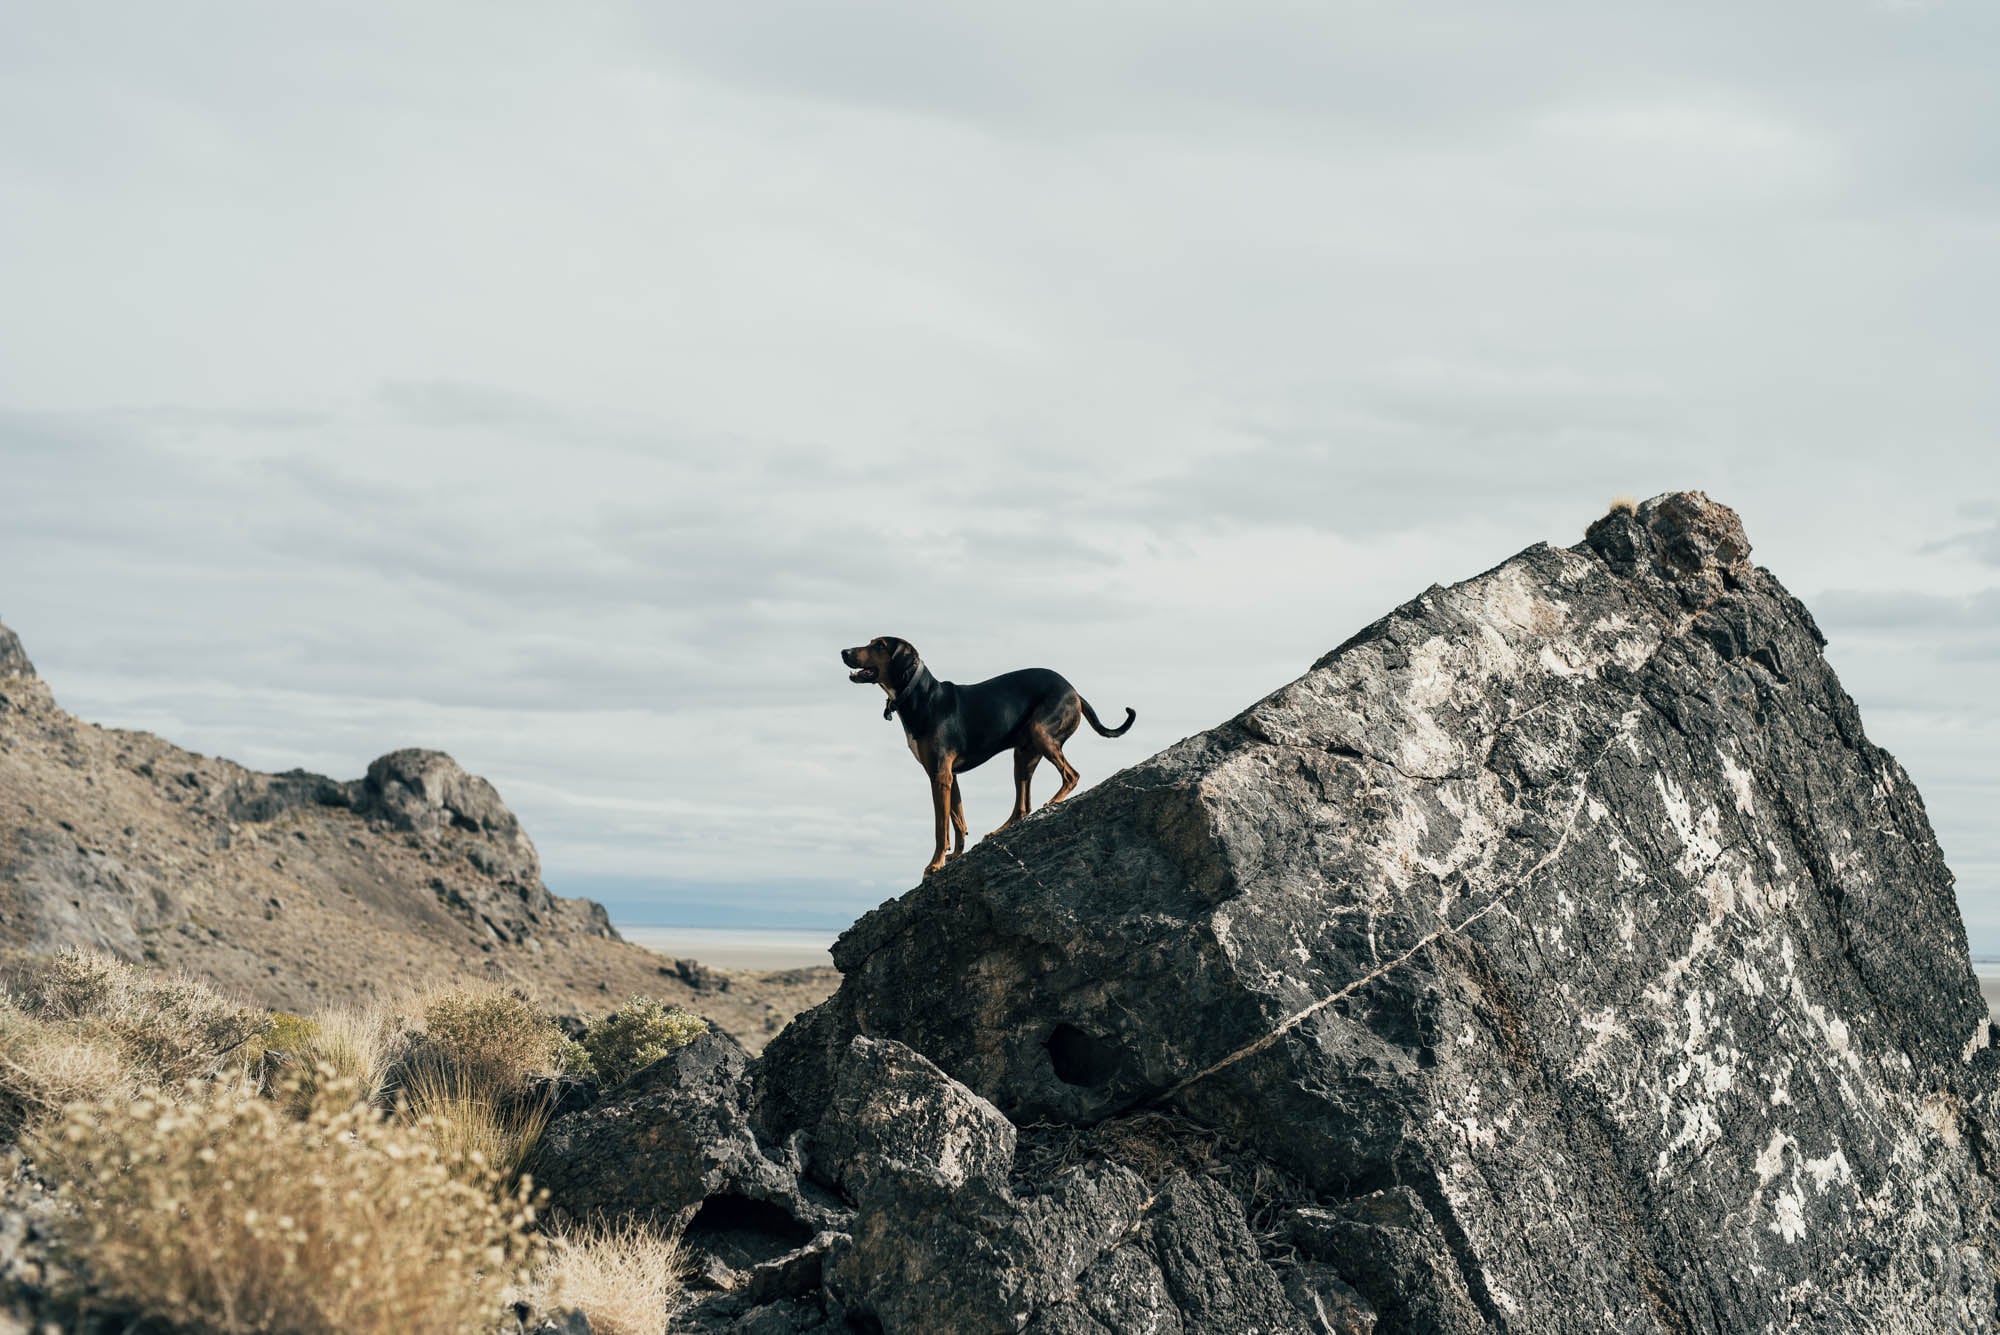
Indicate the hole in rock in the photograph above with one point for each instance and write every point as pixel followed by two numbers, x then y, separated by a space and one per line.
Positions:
pixel 744 1233
pixel 1082 1059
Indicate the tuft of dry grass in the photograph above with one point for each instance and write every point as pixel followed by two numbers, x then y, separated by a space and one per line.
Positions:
pixel 219 1210
pixel 487 1130
pixel 497 1039
pixel 621 1276
pixel 354 1045
pixel 1624 505
pixel 79 1026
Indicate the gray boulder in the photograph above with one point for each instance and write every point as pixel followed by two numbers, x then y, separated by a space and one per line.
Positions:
pixel 13 658
pixel 673 1145
pixel 427 792
pixel 1558 951
pixel 893 1114
pixel 928 1258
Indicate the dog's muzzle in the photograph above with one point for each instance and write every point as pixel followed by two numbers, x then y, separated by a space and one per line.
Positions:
pixel 861 675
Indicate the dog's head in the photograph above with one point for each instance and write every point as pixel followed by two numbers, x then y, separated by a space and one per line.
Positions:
pixel 884 660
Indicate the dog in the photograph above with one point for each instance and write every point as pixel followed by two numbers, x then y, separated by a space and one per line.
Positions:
pixel 953 728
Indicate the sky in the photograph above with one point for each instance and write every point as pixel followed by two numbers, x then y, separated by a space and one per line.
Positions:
pixel 562 386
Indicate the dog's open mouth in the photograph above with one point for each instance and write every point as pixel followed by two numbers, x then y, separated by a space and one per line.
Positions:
pixel 864 675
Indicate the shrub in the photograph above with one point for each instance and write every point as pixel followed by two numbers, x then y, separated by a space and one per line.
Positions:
pixel 636 1035
pixel 290 1034
pixel 620 1276
pixel 465 1068
pixel 494 1038
pixel 169 1027
pixel 573 1058
pixel 78 1026
pixel 45 1067
pixel 220 1212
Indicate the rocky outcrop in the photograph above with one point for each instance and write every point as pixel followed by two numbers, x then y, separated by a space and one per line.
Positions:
pixel 13 658
pixel 672 1139
pixel 1557 954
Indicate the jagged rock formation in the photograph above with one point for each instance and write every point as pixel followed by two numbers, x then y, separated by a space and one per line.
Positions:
pixel 296 889
pixel 13 658
pixel 1556 955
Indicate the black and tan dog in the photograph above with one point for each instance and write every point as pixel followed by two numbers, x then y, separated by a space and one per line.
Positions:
pixel 953 728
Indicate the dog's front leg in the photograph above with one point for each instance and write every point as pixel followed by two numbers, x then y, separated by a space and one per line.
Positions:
pixel 941 807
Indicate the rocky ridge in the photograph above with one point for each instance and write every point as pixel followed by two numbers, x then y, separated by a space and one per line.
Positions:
pixel 298 890
pixel 1557 954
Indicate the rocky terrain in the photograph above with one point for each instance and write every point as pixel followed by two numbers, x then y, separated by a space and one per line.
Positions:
pixel 296 890
pixel 1556 955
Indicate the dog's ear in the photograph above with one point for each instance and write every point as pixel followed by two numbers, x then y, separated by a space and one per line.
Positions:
pixel 902 661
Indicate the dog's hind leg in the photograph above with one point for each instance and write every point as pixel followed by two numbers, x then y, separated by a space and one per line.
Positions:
pixel 1025 760
pixel 1053 750
pixel 958 829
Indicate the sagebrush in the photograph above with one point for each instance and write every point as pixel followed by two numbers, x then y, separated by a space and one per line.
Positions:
pixel 77 1026
pixel 218 1210
pixel 636 1035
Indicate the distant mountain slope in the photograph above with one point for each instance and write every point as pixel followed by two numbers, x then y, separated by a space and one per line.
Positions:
pixel 298 890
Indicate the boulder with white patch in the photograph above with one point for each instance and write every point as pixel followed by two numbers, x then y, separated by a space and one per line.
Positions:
pixel 1556 955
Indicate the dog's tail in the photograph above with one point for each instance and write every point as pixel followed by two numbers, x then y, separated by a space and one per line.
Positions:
pixel 1103 731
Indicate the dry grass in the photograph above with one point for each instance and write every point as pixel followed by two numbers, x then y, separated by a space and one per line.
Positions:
pixel 168 1027
pixel 46 1067
pixel 354 1045
pixel 489 1130
pixel 621 1276
pixel 497 1039
pixel 75 1026
pixel 220 1211
pixel 1624 505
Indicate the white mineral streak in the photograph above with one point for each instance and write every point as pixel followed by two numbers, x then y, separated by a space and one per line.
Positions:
pixel 1741 783
pixel 1699 836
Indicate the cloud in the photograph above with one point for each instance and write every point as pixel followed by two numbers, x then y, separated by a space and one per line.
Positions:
pixel 1982 545
pixel 1962 627
pixel 446 403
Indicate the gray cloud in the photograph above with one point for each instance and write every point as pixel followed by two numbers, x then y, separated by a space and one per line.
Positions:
pixel 448 403
pixel 1982 545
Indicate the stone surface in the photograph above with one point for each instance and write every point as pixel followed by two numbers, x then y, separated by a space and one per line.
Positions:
pixel 676 1138
pixel 926 1256
pixel 893 1113
pixel 13 658
pixel 1557 954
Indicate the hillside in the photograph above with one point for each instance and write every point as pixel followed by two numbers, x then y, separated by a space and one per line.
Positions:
pixel 297 890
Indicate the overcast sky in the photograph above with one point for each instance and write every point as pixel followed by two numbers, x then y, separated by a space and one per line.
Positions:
pixel 562 385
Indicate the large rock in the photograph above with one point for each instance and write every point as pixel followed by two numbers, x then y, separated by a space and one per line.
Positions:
pixel 13 658
pixel 673 1142
pixel 1557 954
pixel 893 1113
